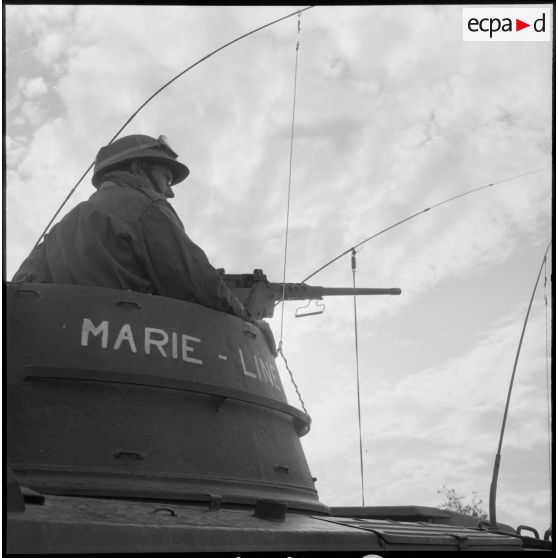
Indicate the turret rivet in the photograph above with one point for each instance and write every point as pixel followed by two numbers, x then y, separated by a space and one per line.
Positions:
pixel 129 455
pixel 168 511
pixel 214 502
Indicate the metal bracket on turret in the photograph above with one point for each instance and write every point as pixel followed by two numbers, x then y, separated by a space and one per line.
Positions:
pixel 320 310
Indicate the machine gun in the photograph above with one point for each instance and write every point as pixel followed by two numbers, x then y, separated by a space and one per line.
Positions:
pixel 260 296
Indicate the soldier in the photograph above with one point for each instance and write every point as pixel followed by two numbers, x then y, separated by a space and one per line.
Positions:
pixel 127 236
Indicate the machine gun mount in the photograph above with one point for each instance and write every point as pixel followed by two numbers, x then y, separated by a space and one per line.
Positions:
pixel 260 296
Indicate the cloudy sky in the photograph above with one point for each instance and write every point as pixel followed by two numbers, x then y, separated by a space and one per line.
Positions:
pixel 394 113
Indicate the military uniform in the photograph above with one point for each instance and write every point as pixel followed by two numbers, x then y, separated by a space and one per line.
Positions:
pixel 127 236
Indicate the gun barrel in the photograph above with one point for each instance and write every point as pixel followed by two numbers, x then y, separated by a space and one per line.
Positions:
pixel 341 291
pixel 301 291
pixel 261 296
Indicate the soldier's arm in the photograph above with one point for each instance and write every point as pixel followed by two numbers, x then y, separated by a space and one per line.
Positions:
pixel 34 267
pixel 177 267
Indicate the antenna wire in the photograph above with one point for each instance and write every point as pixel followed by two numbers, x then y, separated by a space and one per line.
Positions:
pixel 416 215
pixel 289 184
pixel 298 12
pixel 548 394
pixel 353 267
pixel 494 483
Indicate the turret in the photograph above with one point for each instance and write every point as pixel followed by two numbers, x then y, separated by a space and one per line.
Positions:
pixel 121 394
pixel 138 423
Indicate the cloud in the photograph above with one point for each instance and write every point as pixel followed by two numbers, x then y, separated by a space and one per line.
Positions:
pixel 394 113
pixel 51 47
pixel 34 87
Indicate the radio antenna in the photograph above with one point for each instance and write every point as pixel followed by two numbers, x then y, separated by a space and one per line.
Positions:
pixel 298 12
pixel 416 215
pixel 496 470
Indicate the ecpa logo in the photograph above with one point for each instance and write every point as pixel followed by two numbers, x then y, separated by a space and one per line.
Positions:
pixel 506 24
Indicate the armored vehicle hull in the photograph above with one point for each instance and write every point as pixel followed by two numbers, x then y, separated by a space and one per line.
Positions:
pixel 139 423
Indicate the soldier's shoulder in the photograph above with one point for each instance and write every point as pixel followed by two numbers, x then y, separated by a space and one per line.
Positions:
pixel 126 202
pixel 112 190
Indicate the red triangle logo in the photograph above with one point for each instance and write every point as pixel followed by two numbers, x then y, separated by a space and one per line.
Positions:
pixel 519 25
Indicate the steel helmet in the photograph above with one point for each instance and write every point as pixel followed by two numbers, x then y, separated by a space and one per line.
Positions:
pixel 138 146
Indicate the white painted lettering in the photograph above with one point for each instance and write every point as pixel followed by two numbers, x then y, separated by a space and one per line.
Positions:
pixel 149 331
pixel 275 374
pixel 271 374
pixel 187 349
pixel 257 367
pixel 174 337
pixel 125 334
pixel 88 328
pixel 246 372
pixel 172 344
pixel 267 372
